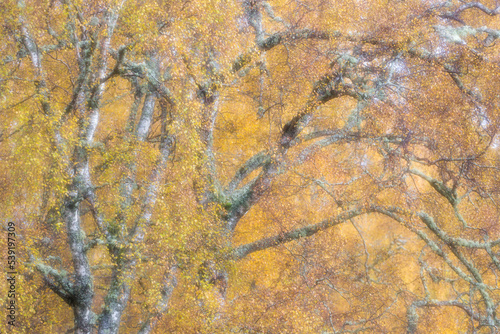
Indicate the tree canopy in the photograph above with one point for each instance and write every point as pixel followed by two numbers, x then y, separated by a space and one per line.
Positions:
pixel 252 166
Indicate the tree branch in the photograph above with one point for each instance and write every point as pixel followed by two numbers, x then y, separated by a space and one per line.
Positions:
pixel 242 251
pixel 57 281
pixel 255 162
pixel 169 284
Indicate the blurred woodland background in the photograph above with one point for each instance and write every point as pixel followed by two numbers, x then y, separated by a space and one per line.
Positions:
pixel 251 166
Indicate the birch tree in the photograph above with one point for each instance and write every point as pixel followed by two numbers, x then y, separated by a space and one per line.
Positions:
pixel 252 166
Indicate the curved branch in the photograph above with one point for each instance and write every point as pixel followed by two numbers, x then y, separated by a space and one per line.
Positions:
pixel 255 162
pixel 480 6
pixel 440 187
pixel 412 315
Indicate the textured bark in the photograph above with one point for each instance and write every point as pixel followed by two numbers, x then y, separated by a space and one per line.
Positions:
pixel 81 295
pixel 117 297
pixel 169 284
pixel 124 272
